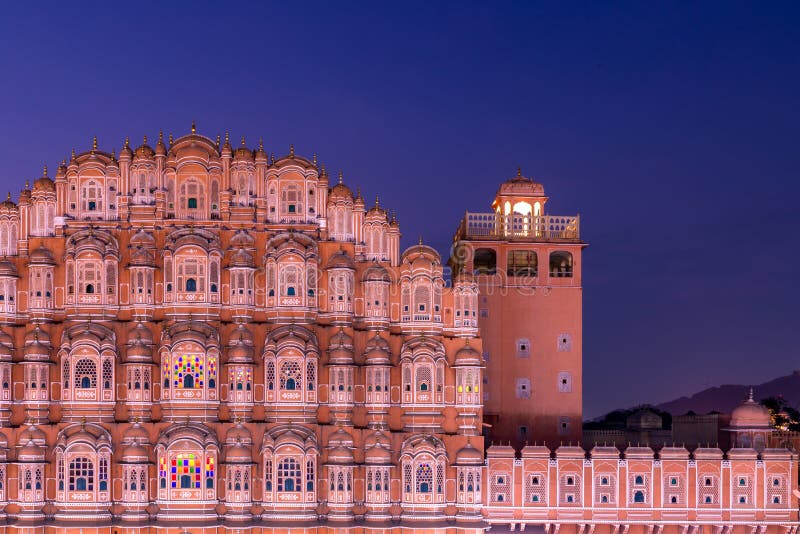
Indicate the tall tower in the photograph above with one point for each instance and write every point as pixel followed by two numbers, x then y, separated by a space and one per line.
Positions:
pixel 528 269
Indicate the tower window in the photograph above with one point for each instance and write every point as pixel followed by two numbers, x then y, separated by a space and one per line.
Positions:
pixel 192 203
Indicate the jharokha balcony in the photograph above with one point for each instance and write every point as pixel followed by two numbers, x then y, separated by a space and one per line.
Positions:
pixel 496 226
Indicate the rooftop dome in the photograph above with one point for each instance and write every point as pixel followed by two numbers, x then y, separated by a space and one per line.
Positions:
pixel 340 260
pixel 469 455
pixel 468 356
pixel 136 433
pixel 135 453
pixel 340 192
pixel 42 255
pixel 376 273
pixel 377 350
pixel 8 203
pixel 242 258
pixel 378 455
pixel 750 414
pixel 44 184
pixel 7 268
pixel 521 186
pixel 238 434
pixel 238 454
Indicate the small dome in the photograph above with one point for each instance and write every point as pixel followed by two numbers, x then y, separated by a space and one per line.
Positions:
pixel 37 344
pixel 750 414
pixel 378 455
pixel 238 454
pixel 469 455
pixel 376 439
pixel 144 151
pixel 521 186
pixel 7 268
pixel 8 203
pixel 134 453
pixel 44 184
pixel 340 438
pixel 238 434
pixel 340 348
pixel 340 192
pixel 376 273
pixel 243 153
pixel 241 258
pixel 468 356
pixel 340 260
pixel 140 334
pixel 377 351
pixel 30 451
pixel 136 433
pixel 32 433
pixel 42 256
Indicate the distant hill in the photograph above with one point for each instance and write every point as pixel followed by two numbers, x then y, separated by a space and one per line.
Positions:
pixel 727 397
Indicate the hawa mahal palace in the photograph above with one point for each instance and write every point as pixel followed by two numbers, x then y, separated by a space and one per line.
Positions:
pixel 201 338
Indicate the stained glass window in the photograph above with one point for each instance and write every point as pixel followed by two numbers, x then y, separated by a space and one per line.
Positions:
pixel 289 475
pixel 291 376
pixel 424 478
pixel 188 371
pixel 185 471
pixel 209 472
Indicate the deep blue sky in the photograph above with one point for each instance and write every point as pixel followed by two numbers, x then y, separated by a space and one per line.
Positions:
pixel 671 127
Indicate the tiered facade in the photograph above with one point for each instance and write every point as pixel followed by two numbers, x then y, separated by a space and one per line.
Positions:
pixel 197 334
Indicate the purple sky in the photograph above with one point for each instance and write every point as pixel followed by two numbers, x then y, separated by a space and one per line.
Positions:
pixel 671 127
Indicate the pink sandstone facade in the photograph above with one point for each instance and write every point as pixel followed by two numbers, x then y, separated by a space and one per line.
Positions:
pixel 201 338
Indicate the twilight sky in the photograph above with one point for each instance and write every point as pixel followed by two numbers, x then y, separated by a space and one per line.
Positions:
pixel 673 128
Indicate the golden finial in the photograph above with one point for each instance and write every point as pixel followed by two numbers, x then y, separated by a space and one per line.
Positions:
pixel 72 158
pixel 8 197
pixel 315 159
pixel 44 172
pixel 420 239
pixel 272 158
pixel 341 178
pixel 324 170
pixel 170 139
pixel 519 172
pixel 27 184
pixel 113 154
pixel 358 192
pixel 377 201
pixel 194 127
pixel 161 136
pixel 127 142
pixel 94 143
pixel 261 145
pixel 144 139
pixel 243 142
pixel 218 139
pixel 291 151
pixel 227 137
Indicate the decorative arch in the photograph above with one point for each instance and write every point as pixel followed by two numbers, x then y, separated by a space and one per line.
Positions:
pixel 289 455
pixel 83 465
pixel 187 456
pixel 424 460
pixel 291 361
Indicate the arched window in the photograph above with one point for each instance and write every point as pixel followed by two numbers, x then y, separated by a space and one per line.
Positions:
pixel 191 285
pixel 424 478
pixel 192 203
pixel 638 497
pixel 81 474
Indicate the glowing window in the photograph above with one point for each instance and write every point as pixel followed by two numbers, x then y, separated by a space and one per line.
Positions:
pixel 188 372
pixel 185 471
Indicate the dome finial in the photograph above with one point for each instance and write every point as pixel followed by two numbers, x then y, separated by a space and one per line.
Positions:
pixel 72 157
pixel 27 184
pixel 94 143
pixel 750 396
pixel 160 136
pixel 291 150
pixel 243 142
pixel 194 127
pixel 127 141
pixel 144 139
pixel 217 141
pixel 377 201
pixel 519 172
pixel 8 197
pixel 227 137
pixel 315 159
pixel 420 239
pixel 170 139
pixel 44 172
pixel 261 144
pixel 341 177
